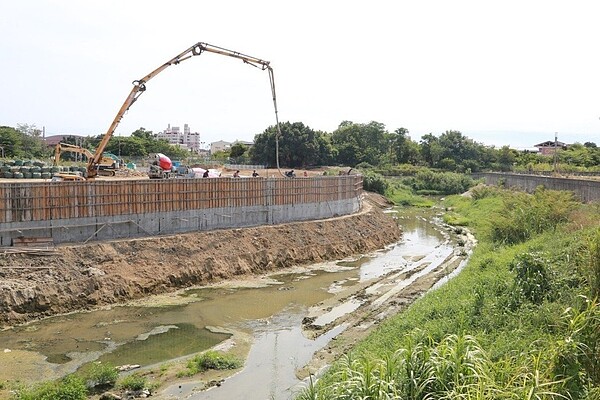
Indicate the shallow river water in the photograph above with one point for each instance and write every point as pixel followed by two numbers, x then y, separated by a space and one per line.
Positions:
pixel 272 314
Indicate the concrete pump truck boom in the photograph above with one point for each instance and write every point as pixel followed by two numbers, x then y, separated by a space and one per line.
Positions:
pixel 139 86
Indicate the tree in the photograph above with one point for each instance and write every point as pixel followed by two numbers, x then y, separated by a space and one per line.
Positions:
pixel 457 152
pixel 32 141
pixel 143 134
pixel 405 150
pixel 127 146
pixel 11 143
pixel 431 150
pixel 237 150
pixel 358 143
pixel 299 146
pixel 506 158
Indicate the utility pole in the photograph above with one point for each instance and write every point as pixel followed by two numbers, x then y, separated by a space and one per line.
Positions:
pixel 555 168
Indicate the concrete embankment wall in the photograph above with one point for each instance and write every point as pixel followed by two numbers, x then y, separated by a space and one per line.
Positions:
pixel 586 190
pixel 83 211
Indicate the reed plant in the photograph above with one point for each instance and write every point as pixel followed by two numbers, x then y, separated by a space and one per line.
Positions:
pixel 521 321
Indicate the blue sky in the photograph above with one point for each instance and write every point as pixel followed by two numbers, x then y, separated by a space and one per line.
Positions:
pixel 502 72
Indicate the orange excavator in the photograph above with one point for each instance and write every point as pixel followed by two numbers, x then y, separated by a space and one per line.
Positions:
pixel 139 86
pixel 106 167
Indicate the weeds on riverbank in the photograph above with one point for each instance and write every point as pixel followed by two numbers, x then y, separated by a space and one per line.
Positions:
pixel 79 386
pixel 211 360
pixel 413 190
pixel 521 321
pixel 402 195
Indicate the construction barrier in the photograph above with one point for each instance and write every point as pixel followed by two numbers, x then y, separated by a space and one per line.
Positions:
pixel 79 211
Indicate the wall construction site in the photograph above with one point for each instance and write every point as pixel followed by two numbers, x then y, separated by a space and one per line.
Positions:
pixel 65 212
pixel 587 190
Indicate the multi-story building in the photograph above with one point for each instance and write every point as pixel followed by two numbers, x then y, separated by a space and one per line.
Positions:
pixel 186 139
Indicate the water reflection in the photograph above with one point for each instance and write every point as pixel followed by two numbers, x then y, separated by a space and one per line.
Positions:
pixel 147 334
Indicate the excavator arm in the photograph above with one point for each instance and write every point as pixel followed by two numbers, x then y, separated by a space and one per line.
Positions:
pixel 66 147
pixel 139 86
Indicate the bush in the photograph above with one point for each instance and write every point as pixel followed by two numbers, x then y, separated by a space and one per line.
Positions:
pixel 69 388
pixel 402 195
pixel 525 215
pixel 364 165
pixel 482 191
pixel 212 360
pixel 133 382
pixel 532 281
pixel 440 182
pixel 373 182
pixel 101 375
pixel 399 170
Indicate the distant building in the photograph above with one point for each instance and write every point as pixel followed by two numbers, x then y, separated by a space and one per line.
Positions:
pixel 220 145
pixel 550 146
pixel 186 139
pixel 243 142
pixel 53 140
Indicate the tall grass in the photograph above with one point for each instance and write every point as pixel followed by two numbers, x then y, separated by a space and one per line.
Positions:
pixel 454 368
pixel 592 272
pixel 521 321
pixel 526 215
pixel 69 388
pixel 444 183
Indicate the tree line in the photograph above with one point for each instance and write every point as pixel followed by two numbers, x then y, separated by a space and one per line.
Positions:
pixel 25 141
pixel 371 144
pixel 351 144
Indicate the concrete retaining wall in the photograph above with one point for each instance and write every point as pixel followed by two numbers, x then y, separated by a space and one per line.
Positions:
pixel 585 190
pixel 272 209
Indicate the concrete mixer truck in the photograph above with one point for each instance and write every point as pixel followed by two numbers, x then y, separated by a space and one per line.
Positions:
pixel 161 167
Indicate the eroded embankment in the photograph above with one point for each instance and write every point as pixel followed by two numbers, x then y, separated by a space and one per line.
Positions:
pixel 93 275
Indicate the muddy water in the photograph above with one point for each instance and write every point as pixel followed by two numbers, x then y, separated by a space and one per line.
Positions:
pixel 271 312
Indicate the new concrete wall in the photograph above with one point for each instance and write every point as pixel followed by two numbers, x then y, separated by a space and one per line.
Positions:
pixel 270 211
pixel 585 190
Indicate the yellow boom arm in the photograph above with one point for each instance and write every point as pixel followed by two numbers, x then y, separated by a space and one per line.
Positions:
pixel 139 86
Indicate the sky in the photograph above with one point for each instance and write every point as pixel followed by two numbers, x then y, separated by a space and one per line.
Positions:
pixel 505 72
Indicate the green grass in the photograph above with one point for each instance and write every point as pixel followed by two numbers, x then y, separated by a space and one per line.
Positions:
pixel 100 374
pixel 133 382
pixel 522 321
pixel 402 195
pixel 211 360
pixel 69 388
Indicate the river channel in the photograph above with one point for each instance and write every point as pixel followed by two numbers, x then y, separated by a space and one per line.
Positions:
pixel 268 309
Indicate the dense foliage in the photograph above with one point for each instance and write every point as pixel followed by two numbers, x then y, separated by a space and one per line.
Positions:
pixel 523 323
pixel 299 146
pixel 354 144
pixel 351 144
pixel 374 182
pixel 23 141
pixel 141 143
pixel 26 141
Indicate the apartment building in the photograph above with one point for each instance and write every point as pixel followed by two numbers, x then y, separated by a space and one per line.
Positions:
pixel 185 139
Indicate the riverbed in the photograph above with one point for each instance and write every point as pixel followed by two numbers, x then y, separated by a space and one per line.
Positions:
pixel 270 312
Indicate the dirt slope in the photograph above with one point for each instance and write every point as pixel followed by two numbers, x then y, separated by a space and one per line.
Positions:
pixel 92 275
